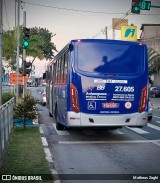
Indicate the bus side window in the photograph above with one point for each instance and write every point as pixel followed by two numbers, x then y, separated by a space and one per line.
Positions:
pixel 50 73
pixel 65 67
pixel 62 69
pixel 56 73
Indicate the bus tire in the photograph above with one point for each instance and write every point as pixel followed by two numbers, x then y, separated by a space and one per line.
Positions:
pixel 50 115
pixel 149 118
pixel 59 126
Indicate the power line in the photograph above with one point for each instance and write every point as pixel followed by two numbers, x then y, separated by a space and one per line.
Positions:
pixel 84 11
pixel 110 26
pixel 70 9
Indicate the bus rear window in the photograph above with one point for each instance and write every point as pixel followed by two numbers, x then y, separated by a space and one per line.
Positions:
pixel 110 58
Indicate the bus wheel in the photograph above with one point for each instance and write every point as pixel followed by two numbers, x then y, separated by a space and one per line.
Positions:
pixel 59 126
pixel 50 115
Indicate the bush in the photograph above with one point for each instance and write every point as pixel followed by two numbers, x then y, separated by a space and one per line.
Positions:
pixel 6 97
pixel 24 110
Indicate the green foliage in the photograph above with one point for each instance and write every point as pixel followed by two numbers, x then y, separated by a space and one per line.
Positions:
pixel 24 109
pixel 40 45
pixel 6 97
pixel 48 47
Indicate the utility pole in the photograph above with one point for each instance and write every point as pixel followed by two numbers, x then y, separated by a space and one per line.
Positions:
pixel 106 32
pixel 24 56
pixel 1 33
pixel 17 58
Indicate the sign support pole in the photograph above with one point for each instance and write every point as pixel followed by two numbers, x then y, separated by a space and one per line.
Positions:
pixel 1 32
pixel 24 56
pixel 17 58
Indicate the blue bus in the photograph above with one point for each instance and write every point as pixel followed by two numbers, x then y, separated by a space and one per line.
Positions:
pixel 98 83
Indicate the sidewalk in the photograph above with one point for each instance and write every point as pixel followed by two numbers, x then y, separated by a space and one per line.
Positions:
pixel 46 129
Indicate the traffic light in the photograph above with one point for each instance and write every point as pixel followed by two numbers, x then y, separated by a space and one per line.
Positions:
pixel 26 34
pixel 136 6
pixel 27 67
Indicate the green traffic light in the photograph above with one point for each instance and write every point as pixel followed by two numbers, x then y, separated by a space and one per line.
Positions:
pixel 136 8
pixel 25 43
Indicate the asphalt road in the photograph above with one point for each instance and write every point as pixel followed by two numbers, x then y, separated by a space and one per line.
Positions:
pixel 94 154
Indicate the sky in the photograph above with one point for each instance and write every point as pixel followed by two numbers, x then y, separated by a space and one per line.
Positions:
pixel 76 19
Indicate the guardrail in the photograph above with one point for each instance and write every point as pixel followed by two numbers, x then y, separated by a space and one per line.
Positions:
pixel 6 124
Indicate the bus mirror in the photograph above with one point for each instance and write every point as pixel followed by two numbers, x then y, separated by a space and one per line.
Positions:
pixel 71 47
pixel 44 75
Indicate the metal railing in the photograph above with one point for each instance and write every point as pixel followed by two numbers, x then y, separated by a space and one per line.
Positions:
pixel 6 124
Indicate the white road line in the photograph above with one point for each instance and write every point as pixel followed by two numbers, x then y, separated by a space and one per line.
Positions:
pixel 117 132
pixel 59 132
pixel 153 126
pixel 44 141
pixel 156 116
pixel 108 142
pixel 48 155
pixel 54 172
pixel 41 130
pixel 158 121
pixel 57 181
pixel 138 130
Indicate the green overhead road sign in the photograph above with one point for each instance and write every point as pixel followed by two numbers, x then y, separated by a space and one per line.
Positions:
pixel 145 5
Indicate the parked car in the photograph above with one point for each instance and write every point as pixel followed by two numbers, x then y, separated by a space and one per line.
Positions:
pixel 150 110
pixel 43 99
pixel 154 91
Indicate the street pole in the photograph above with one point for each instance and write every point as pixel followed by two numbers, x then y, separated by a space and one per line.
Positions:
pixel 152 6
pixel 24 55
pixel 106 32
pixel 1 33
pixel 17 58
pixel 113 33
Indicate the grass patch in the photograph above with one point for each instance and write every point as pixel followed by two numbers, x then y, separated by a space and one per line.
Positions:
pixel 25 154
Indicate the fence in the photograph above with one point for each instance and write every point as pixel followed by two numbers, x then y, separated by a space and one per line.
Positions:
pixel 6 124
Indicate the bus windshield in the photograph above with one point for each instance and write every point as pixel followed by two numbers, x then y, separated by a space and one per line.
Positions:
pixel 110 58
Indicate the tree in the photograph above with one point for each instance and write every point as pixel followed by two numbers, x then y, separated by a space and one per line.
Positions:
pixel 48 47
pixel 40 45
pixel 24 110
pixel 153 61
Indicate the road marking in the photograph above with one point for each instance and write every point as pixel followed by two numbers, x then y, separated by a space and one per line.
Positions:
pixel 153 126
pixel 117 132
pixel 108 142
pixel 44 141
pixel 41 130
pixel 158 121
pixel 60 132
pixel 48 155
pixel 138 130
pixel 156 116
pixel 54 172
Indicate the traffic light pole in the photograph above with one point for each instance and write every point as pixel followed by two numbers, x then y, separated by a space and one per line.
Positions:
pixel 24 56
pixel 1 31
pixel 152 6
pixel 17 58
